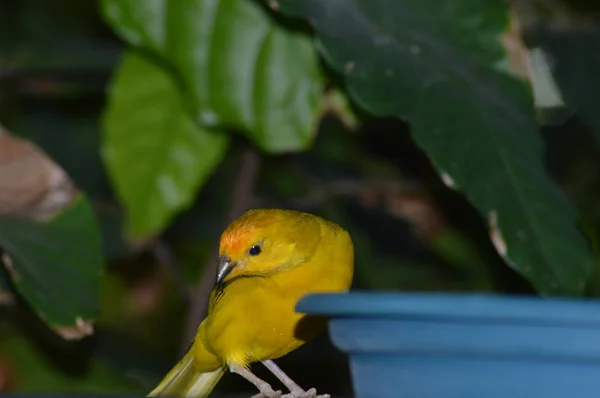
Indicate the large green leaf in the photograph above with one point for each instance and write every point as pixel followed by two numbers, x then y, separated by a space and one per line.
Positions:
pixel 57 266
pixel 239 68
pixel 440 65
pixel 157 157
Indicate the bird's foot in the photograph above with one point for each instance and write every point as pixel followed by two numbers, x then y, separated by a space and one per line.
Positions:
pixel 300 393
pixel 273 394
pixel 266 391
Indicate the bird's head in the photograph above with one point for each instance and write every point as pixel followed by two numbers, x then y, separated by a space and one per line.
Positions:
pixel 263 241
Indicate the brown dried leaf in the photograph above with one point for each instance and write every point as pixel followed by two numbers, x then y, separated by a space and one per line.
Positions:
pixel 32 186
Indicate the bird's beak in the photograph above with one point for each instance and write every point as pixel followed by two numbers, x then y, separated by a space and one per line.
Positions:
pixel 224 268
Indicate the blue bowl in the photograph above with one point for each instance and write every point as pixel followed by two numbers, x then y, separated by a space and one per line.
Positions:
pixel 411 345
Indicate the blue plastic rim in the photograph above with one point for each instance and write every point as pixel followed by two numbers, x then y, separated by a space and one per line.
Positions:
pixel 453 305
pixel 425 345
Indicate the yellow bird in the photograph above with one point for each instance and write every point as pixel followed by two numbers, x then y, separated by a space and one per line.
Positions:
pixel 268 260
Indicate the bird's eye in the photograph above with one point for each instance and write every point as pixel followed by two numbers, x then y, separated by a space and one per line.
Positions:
pixel 254 250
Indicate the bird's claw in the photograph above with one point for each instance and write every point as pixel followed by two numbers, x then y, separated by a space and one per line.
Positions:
pixel 268 392
pixel 312 393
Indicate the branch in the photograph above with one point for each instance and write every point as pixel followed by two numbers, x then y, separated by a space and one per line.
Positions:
pixel 160 250
pixel 401 199
pixel 242 200
pixel 321 192
pixel 164 256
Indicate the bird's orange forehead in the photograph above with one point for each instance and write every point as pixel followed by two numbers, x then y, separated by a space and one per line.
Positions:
pixel 235 241
pixel 246 231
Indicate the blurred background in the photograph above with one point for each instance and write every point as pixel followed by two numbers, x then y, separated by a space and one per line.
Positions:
pixel 58 62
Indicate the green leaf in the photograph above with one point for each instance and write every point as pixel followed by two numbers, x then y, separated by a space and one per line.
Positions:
pixel 57 266
pixel 440 64
pixel 156 156
pixel 239 67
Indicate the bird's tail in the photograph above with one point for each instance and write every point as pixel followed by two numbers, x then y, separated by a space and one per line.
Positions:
pixel 184 380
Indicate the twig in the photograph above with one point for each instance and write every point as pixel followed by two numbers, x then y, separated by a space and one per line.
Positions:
pixel 401 199
pixel 161 252
pixel 321 192
pixel 242 200
pixel 165 258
